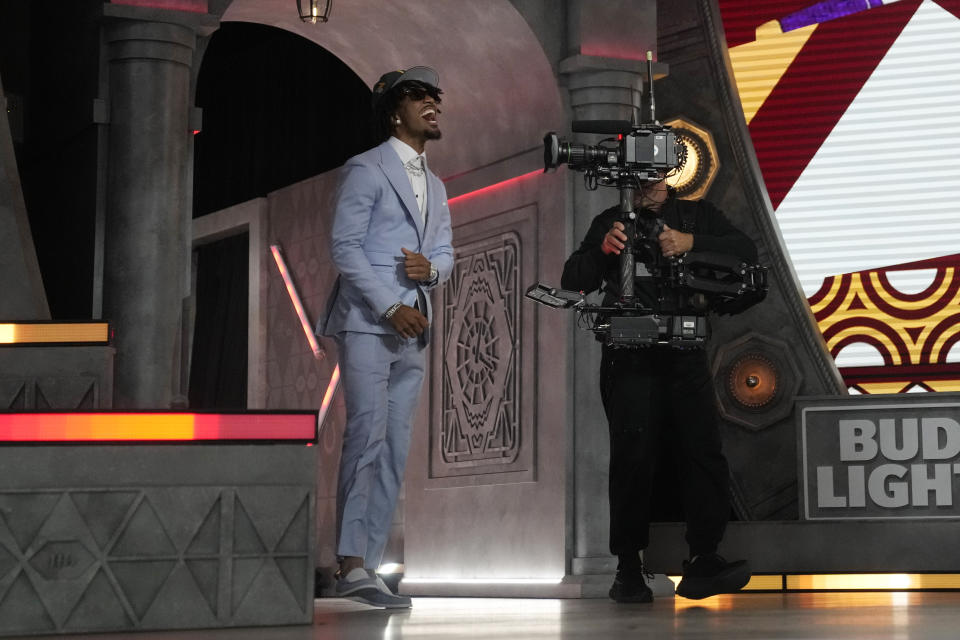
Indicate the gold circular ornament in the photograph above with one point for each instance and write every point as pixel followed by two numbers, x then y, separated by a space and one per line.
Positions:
pixel 693 178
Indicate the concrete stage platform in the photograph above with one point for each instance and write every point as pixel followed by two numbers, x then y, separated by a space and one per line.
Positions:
pixel 814 616
pixel 124 522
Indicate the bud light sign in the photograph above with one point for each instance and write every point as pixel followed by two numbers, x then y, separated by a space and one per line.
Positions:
pixel 872 457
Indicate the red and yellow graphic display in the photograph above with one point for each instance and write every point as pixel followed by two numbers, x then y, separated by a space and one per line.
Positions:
pixel 851 108
pixel 912 333
pixel 126 427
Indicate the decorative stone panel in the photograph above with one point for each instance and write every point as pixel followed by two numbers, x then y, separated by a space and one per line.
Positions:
pixel 482 374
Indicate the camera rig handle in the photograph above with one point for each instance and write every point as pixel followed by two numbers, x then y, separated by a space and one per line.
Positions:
pixel 627 259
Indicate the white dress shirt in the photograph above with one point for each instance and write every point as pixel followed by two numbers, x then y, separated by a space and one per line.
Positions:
pixel 418 182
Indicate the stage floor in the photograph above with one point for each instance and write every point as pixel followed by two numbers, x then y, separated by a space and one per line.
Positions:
pixel 900 615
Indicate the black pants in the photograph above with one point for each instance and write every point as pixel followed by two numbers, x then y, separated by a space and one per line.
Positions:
pixel 651 397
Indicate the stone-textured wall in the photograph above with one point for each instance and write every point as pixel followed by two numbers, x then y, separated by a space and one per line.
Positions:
pixel 488 475
pixel 299 221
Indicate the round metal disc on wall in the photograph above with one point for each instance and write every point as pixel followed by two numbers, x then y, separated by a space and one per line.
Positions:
pixel 756 381
pixel 753 380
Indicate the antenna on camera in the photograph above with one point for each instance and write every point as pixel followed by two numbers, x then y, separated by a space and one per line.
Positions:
pixel 653 104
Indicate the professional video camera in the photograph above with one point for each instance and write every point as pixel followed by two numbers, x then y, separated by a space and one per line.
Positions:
pixel 640 153
pixel 688 286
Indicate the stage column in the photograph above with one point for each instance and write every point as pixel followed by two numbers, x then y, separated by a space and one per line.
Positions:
pixel 150 55
pixel 605 74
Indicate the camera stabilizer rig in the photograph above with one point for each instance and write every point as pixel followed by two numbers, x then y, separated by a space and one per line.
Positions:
pixel 689 286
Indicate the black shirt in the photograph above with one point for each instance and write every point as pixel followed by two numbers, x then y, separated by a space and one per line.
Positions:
pixel 589 269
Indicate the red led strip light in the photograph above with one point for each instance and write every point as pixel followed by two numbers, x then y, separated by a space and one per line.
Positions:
pixel 497 186
pixel 84 427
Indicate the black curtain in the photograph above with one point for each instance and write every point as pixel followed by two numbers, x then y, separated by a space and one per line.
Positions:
pixel 218 372
pixel 277 109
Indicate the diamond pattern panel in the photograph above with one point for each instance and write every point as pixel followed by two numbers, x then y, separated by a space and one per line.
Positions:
pixel 24 513
pixel 270 589
pixel 141 580
pixel 206 573
pixel 99 608
pixel 180 604
pixel 21 609
pixel 13 392
pixel 183 511
pixel 294 571
pixel 143 535
pixel 271 511
pixel 98 559
pixel 7 563
pixel 297 531
pixel 74 392
pixel 246 540
pixel 245 571
pixel 207 540
pixel 103 511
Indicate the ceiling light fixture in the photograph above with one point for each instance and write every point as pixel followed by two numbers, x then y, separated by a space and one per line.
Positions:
pixel 309 10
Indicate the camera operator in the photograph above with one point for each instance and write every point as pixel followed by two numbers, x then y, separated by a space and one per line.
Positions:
pixel 661 393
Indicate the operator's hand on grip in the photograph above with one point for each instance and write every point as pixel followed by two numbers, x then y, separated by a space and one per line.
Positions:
pixel 614 241
pixel 408 321
pixel 673 242
pixel 416 264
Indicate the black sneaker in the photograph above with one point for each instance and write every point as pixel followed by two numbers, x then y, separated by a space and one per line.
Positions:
pixel 630 586
pixel 708 575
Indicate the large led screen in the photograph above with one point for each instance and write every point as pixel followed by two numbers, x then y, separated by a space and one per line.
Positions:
pixel 853 109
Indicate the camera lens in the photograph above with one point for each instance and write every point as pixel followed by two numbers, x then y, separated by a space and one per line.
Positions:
pixel 581 154
pixel 551 151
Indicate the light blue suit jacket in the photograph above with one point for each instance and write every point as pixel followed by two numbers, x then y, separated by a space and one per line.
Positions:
pixel 376 213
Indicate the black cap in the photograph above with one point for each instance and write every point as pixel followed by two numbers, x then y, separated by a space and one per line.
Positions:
pixel 389 80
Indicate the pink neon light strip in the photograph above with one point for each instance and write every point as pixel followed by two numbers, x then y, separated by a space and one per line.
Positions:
pixel 497 186
pixel 328 396
pixel 318 352
pixel 81 427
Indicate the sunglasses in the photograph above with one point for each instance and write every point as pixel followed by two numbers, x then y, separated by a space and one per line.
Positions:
pixel 418 92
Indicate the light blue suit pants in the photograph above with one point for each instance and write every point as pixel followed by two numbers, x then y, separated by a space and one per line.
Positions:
pixel 382 376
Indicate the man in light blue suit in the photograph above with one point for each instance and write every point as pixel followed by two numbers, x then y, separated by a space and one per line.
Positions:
pixel 391 242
